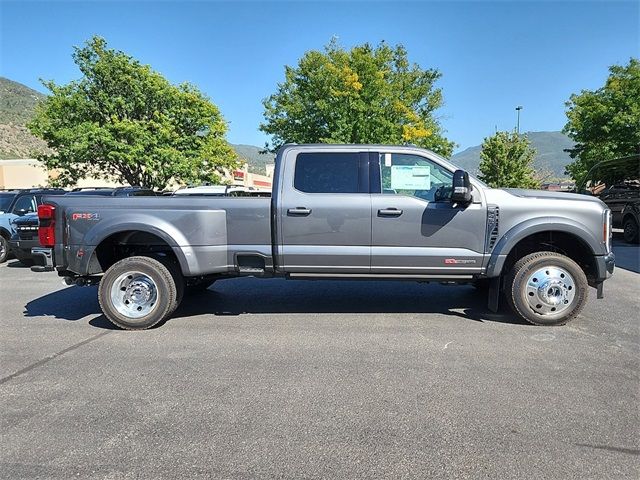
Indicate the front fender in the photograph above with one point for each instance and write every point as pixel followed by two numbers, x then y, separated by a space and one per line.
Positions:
pixel 537 225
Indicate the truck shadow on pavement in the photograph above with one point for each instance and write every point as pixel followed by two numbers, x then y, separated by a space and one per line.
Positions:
pixel 278 296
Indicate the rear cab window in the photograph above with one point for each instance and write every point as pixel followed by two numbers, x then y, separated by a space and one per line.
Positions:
pixel 329 172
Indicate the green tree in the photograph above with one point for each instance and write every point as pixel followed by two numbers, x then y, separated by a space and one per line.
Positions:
pixel 506 161
pixel 605 123
pixel 126 122
pixel 362 95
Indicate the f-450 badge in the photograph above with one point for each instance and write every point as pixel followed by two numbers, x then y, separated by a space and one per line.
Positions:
pixel 85 216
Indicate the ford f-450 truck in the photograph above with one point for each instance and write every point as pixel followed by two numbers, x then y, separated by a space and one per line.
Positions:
pixel 336 212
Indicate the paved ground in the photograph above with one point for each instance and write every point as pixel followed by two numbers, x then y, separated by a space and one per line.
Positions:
pixel 276 379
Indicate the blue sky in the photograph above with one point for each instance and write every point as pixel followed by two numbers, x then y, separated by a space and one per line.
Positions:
pixel 493 55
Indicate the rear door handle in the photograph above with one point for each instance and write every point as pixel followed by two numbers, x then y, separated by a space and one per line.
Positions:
pixel 301 211
pixel 389 212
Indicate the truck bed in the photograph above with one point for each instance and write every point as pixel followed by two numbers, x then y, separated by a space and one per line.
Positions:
pixel 206 233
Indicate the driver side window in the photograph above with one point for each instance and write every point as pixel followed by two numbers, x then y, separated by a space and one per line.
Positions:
pixel 416 176
pixel 26 204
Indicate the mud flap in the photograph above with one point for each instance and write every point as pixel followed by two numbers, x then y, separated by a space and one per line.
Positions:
pixel 600 290
pixel 494 294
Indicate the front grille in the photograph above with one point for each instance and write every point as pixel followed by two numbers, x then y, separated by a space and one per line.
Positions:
pixel 493 226
pixel 27 232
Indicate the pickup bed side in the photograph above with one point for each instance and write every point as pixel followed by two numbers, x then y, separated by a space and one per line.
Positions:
pixel 204 235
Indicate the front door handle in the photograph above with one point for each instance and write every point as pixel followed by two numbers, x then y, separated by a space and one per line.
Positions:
pixel 301 211
pixel 389 212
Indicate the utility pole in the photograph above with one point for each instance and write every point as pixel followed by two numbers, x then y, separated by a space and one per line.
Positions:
pixel 518 108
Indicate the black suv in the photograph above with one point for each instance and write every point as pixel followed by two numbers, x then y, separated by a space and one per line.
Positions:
pixel 25 228
pixel 22 203
pixel 617 183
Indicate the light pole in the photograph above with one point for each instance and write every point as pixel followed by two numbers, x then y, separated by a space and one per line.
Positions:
pixel 518 108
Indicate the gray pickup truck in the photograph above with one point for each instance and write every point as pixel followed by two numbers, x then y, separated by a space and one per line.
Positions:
pixel 336 212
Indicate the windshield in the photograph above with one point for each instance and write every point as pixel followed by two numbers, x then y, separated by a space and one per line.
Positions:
pixel 5 201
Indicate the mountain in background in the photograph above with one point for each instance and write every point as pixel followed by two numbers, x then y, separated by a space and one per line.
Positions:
pixel 254 156
pixel 550 154
pixel 17 105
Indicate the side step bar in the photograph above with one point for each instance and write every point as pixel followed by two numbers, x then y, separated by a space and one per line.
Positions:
pixel 382 276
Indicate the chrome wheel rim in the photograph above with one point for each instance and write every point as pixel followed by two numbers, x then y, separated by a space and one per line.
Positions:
pixel 550 290
pixel 2 247
pixel 134 295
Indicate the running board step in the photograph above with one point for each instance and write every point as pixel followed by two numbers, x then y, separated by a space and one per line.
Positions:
pixel 380 276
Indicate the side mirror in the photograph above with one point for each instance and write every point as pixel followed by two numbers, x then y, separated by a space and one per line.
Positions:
pixel 461 187
pixel 22 212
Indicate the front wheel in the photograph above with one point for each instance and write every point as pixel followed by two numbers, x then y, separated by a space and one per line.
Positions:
pixel 631 231
pixel 546 288
pixel 137 293
pixel 4 249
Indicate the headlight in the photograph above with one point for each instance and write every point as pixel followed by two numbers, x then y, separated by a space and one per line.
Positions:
pixel 607 233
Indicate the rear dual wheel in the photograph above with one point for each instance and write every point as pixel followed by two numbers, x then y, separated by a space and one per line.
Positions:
pixel 137 293
pixel 546 288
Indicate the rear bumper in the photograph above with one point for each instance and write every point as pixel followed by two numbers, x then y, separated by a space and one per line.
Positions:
pixel 45 257
pixel 22 248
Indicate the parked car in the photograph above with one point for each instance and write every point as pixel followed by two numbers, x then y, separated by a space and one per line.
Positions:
pixel 23 202
pixel 339 212
pixel 128 191
pixel 6 197
pixel 25 228
pixel 223 191
pixel 617 183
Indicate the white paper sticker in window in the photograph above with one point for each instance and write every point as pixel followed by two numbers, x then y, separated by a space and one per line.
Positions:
pixel 411 177
pixel 387 159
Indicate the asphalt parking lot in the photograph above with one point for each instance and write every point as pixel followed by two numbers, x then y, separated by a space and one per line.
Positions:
pixel 294 379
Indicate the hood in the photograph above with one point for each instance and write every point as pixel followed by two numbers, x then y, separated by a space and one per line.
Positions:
pixel 28 219
pixel 524 193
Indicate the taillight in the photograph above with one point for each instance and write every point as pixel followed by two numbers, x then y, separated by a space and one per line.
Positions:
pixel 47 225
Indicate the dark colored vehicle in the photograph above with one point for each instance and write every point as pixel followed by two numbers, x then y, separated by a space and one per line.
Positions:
pixel 22 203
pixel 341 212
pixel 114 192
pixel 617 183
pixel 25 228
pixel 6 197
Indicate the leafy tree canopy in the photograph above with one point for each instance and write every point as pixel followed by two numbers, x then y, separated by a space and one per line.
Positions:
pixel 605 123
pixel 506 161
pixel 361 95
pixel 124 121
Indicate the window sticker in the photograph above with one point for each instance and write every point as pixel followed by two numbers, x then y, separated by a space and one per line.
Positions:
pixel 387 159
pixel 411 177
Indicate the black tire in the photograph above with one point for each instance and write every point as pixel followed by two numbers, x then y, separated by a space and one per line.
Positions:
pixel 4 249
pixel 521 290
pixel 138 267
pixel 27 261
pixel 631 233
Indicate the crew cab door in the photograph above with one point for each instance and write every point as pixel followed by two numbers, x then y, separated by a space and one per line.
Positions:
pixel 416 229
pixel 324 212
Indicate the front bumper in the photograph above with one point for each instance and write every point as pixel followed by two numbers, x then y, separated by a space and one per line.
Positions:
pixel 45 255
pixel 606 264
